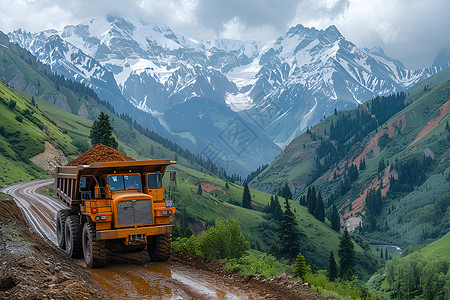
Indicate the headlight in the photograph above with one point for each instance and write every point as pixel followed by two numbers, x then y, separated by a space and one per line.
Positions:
pixel 97 218
pixel 103 218
pixel 169 204
pixel 164 212
pixel 170 212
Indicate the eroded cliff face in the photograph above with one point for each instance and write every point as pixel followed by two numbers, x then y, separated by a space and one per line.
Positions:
pixel 50 158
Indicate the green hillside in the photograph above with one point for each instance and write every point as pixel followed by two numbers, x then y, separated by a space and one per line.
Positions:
pixel 317 240
pixel 69 132
pixel 401 139
pixel 423 273
pixel 219 203
pixel 23 132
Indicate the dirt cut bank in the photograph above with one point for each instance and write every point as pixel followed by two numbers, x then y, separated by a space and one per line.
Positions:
pixel 32 269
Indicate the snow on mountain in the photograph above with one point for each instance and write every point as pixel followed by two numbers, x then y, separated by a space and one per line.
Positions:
pixel 291 82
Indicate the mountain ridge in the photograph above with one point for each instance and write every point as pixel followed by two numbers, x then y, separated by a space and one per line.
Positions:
pixel 299 77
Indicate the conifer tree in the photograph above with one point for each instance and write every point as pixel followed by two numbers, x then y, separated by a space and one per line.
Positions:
pixel 226 185
pixel 300 268
pixel 199 190
pixel 286 192
pixel 319 212
pixel 381 165
pixel 246 197
pixel 346 254
pixel 332 268
pixel 311 200
pixel 276 209
pixel 101 132
pixel 288 234
pixel 335 219
pixel 362 164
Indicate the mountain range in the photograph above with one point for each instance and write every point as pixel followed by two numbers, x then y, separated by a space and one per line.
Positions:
pixel 236 102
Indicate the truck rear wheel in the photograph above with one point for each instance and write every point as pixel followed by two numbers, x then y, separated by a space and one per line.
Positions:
pixel 73 236
pixel 94 251
pixel 60 227
pixel 159 247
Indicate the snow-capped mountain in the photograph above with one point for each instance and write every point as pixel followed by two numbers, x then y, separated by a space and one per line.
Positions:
pixel 273 90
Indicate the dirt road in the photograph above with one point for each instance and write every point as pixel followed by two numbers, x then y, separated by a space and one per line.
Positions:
pixel 127 276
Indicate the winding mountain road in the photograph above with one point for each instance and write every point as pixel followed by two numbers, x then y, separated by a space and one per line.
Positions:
pixel 127 276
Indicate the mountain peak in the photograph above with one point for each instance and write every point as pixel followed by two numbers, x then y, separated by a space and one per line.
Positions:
pixel 333 30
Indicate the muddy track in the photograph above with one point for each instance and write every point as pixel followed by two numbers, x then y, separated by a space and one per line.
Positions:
pixel 127 276
pixel 132 275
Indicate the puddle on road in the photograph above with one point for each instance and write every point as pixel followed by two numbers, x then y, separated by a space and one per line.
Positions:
pixel 159 281
pixel 128 282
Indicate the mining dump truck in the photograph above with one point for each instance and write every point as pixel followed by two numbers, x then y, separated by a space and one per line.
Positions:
pixel 117 205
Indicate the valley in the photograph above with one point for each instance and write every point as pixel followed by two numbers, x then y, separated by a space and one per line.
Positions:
pixel 328 162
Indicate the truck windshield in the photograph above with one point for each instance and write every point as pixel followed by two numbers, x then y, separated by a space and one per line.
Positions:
pixel 124 182
pixel 154 181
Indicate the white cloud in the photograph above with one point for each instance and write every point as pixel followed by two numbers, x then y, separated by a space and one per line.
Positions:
pixel 411 30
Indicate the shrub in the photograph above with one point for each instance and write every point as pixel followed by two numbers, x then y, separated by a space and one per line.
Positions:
pixel 256 263
pixel 224 240
pixel 19 118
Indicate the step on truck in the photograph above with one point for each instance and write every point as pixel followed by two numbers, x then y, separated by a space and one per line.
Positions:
pixel 117 206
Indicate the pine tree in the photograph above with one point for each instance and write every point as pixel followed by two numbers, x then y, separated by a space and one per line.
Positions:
pixel 362 164
pixel 319 212
pixel 276 209
pixel 332 268
pixel 311 200
pixel 226 185
pixel 346 254
pixel 286 192
pixel 199 190
pixel 300 268
pixel 288 234
pixel 381 165
pixel 101 132
pixel 152 151
pixel 246 197
pixel 335 219
pixel 33 102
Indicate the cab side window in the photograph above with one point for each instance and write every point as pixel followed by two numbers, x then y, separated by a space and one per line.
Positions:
pixel 154 181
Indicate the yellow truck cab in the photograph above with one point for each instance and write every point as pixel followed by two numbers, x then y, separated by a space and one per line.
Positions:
pixel 114 205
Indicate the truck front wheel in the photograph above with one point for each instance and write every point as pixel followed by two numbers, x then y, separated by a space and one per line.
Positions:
pixel 94 251
pixel 73 236
pixel 159 247
pixel 61 216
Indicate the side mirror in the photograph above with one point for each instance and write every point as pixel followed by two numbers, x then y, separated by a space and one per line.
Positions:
pixel 173 176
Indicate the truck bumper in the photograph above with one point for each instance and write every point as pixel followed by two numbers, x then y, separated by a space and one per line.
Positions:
pixel 126 232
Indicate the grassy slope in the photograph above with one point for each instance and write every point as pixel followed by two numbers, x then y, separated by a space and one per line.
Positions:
pixel 207 207
pixel 22 140
pixel 295 164
pixel 436 250
pixel 318 238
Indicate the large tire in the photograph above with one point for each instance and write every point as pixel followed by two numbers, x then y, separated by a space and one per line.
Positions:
pixel 61 216
pixel 72 234
pixel 94 251
pixel 159 247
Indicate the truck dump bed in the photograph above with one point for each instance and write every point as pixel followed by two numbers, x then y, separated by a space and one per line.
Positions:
pixel 67 177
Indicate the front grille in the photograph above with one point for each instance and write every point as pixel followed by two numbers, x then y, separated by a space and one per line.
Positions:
pixel 134 212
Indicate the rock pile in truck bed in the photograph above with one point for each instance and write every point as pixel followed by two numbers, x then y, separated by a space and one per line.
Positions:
pixel 99 153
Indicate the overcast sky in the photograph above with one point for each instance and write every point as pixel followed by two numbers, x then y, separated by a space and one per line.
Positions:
pixel 412 31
